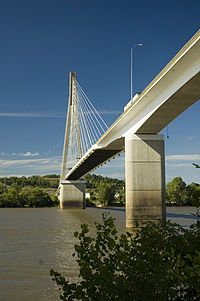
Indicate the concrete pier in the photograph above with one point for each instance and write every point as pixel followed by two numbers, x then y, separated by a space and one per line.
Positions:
pixel 72 194
pixel 145 178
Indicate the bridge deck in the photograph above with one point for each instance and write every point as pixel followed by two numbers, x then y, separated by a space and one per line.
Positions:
pixel 176 104
pixel 174 89
pixel 97 157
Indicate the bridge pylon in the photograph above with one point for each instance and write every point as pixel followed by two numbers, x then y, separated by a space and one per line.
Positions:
pixel 72 193
pixel 145 179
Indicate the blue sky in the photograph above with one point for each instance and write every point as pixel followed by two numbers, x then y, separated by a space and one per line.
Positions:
pixel 42 41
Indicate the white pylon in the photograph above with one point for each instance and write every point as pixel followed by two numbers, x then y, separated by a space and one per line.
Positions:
pixel 71 113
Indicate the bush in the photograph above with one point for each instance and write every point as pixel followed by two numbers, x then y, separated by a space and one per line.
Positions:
pixel 161 262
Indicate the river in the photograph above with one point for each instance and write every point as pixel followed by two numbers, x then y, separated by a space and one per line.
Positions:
pixel 34 240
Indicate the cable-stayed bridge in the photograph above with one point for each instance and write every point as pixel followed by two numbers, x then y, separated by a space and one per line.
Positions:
pixel 89 143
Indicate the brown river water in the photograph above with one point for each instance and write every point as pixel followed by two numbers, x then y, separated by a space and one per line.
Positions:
pixel 34 240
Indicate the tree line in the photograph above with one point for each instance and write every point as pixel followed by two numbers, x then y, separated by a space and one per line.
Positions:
pixel 28 192
pixel 16 196
pixel 103 191
pixel 106 190
pixel 51 181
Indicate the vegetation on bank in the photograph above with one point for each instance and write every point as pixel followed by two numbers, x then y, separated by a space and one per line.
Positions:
pixel 35 191
pixel 180 194
pixel 46 181
pixel 16 196
pixel 107 191
pixel 101 191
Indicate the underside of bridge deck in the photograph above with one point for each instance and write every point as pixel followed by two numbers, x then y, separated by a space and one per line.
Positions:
pixel 173 107
pixel 98 157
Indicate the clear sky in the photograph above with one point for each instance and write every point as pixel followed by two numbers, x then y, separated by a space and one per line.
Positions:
pixel 43 40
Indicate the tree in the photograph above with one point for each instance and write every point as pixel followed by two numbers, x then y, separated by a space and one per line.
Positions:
pixel 11 197
pixel 106 193
pixel 93 181
pixel 123 195
pixel 24 198
pixel 161 262
pixel 39 198
pixel 196 196
pixel 55 200
pixel 16 196
pixel 177 192
pixel 2 188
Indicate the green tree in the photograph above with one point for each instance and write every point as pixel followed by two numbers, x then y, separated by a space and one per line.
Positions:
pixel 106 193
pixel 93 181
pixel 122 195
pixel 24 198
pixel 11 197
pixel 55 200
pixel 194 191
pixel 39 198
pixel 17 195
pixel 2 188
pixel 177 192
pixel 161 262
pixel 196 196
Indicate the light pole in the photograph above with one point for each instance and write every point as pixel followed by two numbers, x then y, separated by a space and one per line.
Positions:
pixel 132 67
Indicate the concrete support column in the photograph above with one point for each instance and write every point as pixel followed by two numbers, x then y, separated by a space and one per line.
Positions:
pixel 72 194
pixel 145 178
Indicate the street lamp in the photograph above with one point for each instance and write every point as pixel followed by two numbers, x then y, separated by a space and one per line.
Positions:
pixel 132 67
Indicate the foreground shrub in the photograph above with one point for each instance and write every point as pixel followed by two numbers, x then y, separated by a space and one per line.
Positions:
pixel 160 262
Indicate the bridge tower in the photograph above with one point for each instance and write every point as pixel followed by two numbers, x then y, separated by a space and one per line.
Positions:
pixel 145 179
pixel 72 193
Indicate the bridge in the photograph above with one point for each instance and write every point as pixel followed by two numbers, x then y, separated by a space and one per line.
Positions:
pixel 135 132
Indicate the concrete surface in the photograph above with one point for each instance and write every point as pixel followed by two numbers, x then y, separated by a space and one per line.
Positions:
pixel 144 178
